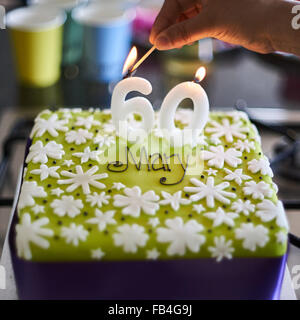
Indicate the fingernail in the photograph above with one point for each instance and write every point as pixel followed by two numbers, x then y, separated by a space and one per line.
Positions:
pixel 162 41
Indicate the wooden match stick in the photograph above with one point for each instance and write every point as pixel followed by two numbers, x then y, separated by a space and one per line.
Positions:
pixel 147 54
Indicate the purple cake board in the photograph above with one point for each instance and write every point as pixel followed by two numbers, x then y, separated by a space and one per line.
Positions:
pixel 239 278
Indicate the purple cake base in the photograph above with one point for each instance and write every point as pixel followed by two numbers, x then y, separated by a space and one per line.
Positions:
pixel 239 278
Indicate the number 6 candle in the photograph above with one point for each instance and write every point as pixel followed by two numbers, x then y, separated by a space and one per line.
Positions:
pixel 196 93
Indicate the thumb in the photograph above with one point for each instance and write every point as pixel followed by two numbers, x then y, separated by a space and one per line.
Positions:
pixel 185 32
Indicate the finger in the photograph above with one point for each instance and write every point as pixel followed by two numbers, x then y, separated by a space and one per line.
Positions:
pixel 168 15
pixel 185 32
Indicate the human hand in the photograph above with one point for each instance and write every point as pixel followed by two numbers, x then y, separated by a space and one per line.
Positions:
pixel 242 22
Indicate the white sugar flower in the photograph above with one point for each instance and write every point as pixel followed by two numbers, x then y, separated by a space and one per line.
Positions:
pixel 181 235
pixel 74 233
pixel 268 210
pixel 97 199
pixel 118 186
pixel 222 249
pixel 105 140
pixel 261 165
pixel 184 116
pixel 154 222
pixel 109 127
pixel 174 200
pixel 130 237
pixel 87 122
pixel 57 192
pixel 257 190
pixel 78 137
pixel 236 175
pixel 198 208
pixel 227 130
pixel 51 125
pixel 29 191
pixel 97 254
pixel 210 191
pixel 31 232
pixel 201 140
pixel 68 163
pixel 252 236
pixel 134 201
pixel 216 156
pixel 44 172
pixel 38 209
pixel 221 217
pixel 153 254
pixel 102 219
pixel 83 179
pixel 281 237
pixel 40 153
pixel 87 154
pixel 67 205
pixel 244 145
pixel 244 207
pixel 211 172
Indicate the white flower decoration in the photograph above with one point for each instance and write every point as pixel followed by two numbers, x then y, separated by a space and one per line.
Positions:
pixel 97 254
pixel 57 192
pixel 118 186
pixel 236 175
pixel 222 249
pixel 257 190
pixel 217 157
pixel 68 163
pixel 44 172
pixel 109 127
pixel 221 217
pixel 102 219
pixel 130 237
pixel 174 200
pixel 40 153
pixel 134 201
pixel 51 125
pixel 87 154
pixel 87 122
pixel 244 145
pixel 181 235
pixel 31 232
pixel 78 137
pixel 184 116
pixel 67 205
pixel 74 233
pixel 210 191
pixel 281 237
pixel 154 222
pixel 244 207
pixel 29 190
pixel 83 179
pixel 268 210
pixel 211 172
pixel 105 140
pixel 153 254
pixel 261 165
pixel 38 209
pixel 227 130
pixel 198 208
pixel 252 236
pixel 98 199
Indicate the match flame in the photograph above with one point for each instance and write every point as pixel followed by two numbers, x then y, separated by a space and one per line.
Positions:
pixel 130 60
pixel 200 74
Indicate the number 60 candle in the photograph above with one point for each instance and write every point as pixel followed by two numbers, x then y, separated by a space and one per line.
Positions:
pixel 121 108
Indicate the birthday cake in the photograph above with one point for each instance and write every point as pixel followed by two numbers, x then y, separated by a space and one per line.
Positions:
pixel 101 217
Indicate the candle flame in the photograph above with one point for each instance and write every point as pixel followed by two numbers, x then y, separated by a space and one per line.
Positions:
pixel 130 60
pixel 200 74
